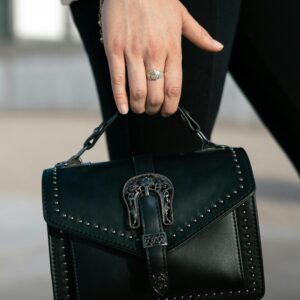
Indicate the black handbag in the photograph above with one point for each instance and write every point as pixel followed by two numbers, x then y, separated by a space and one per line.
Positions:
pixel 156 226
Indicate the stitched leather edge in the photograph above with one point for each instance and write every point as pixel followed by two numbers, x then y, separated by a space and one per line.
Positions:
pixel 238 249
pixel 74 262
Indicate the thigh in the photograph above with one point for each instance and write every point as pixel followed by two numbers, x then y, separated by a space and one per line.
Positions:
pixel 268 75
pixel 203 79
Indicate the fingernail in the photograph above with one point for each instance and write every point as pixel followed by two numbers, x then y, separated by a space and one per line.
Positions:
pixel 218 44
pixel 123 109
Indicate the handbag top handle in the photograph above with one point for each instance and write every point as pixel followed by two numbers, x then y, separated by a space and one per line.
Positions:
pixel 99 130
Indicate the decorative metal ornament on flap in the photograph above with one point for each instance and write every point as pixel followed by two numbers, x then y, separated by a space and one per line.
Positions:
pixel 141 185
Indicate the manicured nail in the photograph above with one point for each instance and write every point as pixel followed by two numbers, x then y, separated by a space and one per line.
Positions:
pixel 123 109
pixel 218 44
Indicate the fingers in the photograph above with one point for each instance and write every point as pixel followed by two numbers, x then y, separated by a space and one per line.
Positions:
pixel 154 59
pixel 137 82
pixel 117 70
pixel 173 82
pixel 198 35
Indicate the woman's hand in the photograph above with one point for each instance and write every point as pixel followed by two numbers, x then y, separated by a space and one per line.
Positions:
pixel 142 35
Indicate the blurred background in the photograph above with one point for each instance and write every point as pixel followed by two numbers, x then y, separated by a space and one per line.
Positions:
pixel 48 106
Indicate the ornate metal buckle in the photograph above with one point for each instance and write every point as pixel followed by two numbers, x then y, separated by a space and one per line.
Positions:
pixel 143 184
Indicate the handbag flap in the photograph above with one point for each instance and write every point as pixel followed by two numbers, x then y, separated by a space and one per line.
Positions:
pixel 86 200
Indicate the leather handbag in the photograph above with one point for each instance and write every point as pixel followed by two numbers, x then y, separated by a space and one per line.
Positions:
pixel 154 226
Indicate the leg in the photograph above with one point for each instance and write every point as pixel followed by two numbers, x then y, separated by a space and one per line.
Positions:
pixel 203 80
pixel 268 75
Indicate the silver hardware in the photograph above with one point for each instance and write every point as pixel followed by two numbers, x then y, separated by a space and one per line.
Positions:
pixel 159 283
pixel 142 185
pixel 154 239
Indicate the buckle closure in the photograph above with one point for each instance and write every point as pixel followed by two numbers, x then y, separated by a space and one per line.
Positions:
pixel 141 184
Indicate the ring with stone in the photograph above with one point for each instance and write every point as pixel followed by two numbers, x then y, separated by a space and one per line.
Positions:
pixel 154 74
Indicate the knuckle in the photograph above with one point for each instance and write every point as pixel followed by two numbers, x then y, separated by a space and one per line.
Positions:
pixel 153 49
pixel 115 46
pixel 139 94
pixel 118 79
pixel 134 47
pixel 173 91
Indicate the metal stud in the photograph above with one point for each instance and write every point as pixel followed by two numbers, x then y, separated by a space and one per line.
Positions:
pixel 235 191
pixel 188 225
pixel 201 216
pixel 227 195
pixel 221 201
pixel 241 186
pixel 174 235
pixel 105 229
pixel 239 171
pixel 96 226
pixel 195 220
pixel 64 215
pixel 214 205
pixel 122 234
pixel 55 195
pixel 241 179
pixel 80 221
pixel 208 210
pixel 87 223
pixel 57 210
pixel 113 231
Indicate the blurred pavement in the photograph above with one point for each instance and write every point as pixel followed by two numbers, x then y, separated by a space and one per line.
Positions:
pixel 31 142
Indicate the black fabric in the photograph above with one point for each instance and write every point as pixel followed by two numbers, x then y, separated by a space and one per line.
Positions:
pixel 265 63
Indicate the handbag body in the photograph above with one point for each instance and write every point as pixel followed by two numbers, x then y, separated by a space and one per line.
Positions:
pixel 155 226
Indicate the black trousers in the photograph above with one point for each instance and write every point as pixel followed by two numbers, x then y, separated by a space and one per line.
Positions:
pixel 203 80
